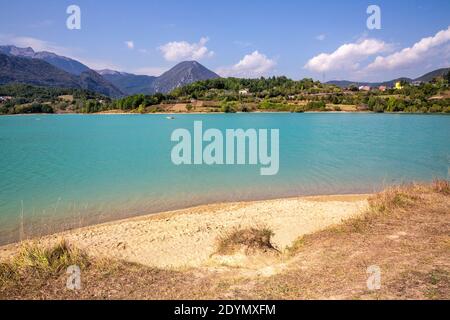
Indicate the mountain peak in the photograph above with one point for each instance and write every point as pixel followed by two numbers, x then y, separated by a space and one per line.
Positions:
pixel 16 51
pixel 183 73
pixel 64 63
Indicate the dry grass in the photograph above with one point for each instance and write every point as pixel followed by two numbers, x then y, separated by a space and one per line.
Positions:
pixel 406 232
pixel 37 261
pixel 441 186
pixel 393 201
pixel 250 240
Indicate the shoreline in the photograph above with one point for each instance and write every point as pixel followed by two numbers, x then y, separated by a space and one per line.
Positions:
pixel 220 112
pixel 187 237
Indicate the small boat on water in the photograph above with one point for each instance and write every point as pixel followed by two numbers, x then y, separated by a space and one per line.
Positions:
pixel 170 118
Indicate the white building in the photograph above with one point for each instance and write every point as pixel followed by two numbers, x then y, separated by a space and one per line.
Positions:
pixel 364 88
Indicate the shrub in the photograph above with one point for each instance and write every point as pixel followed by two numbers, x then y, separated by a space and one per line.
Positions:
pixel 316 106
pixel 33 108
pixel 298 109
pixel 229 107
pixel 435 108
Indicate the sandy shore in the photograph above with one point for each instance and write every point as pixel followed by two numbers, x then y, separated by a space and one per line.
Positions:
pixel 188 237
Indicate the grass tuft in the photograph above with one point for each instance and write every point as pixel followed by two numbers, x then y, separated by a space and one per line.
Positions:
pixel 7 273
pixel 394 198
pixel 43 261
pixel 251 239
pixel 441 186
pixel 51 259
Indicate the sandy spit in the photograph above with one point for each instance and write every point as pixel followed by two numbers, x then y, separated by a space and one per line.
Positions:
pixel 188 237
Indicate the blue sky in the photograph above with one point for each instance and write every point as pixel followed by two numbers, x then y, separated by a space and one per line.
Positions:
pixel 320 39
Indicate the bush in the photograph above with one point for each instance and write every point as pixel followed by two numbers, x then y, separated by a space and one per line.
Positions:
pixel 316 106
pixel 298 109
pixel 269 105
pixel 436 108
pixel 229 107
pixel 33 108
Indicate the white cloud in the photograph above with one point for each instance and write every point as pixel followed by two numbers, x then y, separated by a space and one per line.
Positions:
pixel 321 37
pixel 130 44
pixel 251 66
pixel 418 53
pixel 177 51
pixel 347 56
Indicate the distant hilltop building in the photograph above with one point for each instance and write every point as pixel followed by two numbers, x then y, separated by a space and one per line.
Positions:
pixel 364 88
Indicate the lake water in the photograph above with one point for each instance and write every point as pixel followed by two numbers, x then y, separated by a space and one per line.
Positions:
pixel 65 171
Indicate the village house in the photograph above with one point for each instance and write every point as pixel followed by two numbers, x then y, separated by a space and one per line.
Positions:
pixel 243 92
pixel 364 88
pixel 382 88
pixel 5 98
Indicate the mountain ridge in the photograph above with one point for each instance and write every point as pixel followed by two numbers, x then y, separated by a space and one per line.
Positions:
pixel 181 74
pixel 424 78
pixel 67 64
pixel 116 84
pixel 16 69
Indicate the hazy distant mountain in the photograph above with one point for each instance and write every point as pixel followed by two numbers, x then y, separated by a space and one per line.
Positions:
pixel 41 73
pixel 182 74
pixel 346 84
pixel 129 83
pixel 425 78
pixel 92 81
pixel 433 74
pixel 63 63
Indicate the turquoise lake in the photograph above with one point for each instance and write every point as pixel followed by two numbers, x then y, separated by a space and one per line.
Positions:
pixel 65 171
